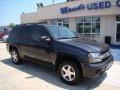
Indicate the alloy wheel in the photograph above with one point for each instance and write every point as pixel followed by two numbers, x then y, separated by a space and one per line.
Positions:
pixel 68 72
pixel 14 56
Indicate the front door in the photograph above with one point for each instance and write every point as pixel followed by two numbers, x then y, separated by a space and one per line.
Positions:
pixel 41 50
pixel 118 33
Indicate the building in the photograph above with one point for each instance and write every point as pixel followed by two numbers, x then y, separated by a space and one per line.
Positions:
pixel 95 19
pixel 5 28
pixel 2 28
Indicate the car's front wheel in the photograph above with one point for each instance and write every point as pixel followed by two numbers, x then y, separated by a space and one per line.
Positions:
pixel 69 72
pixel 15 56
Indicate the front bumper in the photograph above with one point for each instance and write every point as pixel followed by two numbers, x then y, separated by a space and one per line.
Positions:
pixel 95 70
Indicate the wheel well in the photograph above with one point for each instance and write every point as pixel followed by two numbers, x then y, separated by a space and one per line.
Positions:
pixel 12 47
pixel 60 59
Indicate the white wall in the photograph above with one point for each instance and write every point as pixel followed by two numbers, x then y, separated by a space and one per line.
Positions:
pixel 53 11
pixel 29 18
pixel 108 27
pixel 72 24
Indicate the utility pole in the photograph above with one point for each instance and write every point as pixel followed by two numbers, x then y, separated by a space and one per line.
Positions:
pixel 53 1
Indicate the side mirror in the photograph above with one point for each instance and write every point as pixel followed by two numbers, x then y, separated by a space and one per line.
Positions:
pixel 45 38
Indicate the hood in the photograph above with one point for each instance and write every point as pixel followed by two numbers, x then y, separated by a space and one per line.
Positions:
pixel 88 45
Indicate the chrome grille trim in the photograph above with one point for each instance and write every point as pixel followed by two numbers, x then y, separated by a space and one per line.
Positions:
pixel 105 55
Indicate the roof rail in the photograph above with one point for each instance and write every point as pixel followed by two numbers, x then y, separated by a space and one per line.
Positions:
pixel 28 23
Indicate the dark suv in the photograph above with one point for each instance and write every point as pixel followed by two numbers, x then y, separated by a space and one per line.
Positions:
pixel 73 57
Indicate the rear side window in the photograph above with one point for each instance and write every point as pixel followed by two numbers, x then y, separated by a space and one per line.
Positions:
pixel 14 33
pixel 37 32
pixel 24 33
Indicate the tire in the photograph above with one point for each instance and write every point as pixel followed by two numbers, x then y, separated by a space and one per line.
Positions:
pixel 69 72
pixel 15 57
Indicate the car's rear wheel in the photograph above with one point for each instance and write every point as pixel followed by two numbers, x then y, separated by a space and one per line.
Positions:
pixel 15 56
pixel 69 72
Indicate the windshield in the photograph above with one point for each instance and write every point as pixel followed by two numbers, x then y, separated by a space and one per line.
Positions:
pixel 61 32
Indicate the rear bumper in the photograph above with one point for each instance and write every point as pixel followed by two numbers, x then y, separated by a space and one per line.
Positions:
pixel 95 70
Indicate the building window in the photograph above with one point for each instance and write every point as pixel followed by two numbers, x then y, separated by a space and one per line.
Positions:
pixel 118 18
pixel 54 22
pixel 62 22
pixel 88 26
pixel 66 23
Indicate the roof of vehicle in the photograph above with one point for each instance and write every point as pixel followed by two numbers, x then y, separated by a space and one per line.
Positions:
pixel 30 24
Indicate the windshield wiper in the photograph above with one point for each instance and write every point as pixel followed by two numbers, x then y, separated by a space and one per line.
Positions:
pixel 66 37
pixel 73 37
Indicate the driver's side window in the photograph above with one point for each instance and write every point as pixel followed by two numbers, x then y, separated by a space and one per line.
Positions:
pixel 38 32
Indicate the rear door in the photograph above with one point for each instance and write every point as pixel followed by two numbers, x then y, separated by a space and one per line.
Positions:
pixel 24 38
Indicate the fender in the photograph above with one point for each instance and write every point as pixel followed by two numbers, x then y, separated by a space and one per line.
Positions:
pixel 78 57
pixel 17 47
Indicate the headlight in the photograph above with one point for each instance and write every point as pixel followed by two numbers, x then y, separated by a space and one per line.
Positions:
pixel 94 57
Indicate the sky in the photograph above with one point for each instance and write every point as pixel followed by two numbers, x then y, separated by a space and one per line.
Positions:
pixel 10 10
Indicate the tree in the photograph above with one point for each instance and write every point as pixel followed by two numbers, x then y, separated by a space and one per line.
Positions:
pixel 11 25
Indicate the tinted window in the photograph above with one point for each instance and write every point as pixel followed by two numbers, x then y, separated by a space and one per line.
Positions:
pixel 14 32
pixel 24 33
pixel 37 32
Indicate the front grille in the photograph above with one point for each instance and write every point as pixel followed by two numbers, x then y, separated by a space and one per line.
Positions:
pixel 106 58
pixel 105 55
